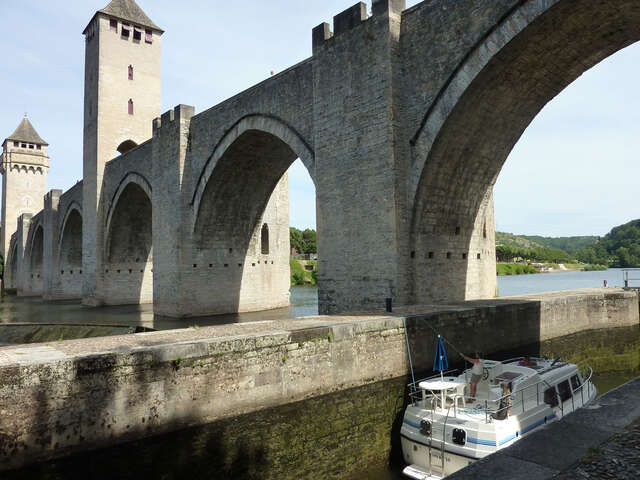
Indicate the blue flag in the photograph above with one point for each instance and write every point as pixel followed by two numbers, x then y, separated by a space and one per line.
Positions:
pixel 440 362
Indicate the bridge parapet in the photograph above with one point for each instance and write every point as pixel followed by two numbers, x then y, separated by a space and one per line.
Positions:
pixel 352 18
pixel 179 112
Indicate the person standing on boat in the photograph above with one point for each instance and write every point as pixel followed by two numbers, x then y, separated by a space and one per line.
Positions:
pixel 476 372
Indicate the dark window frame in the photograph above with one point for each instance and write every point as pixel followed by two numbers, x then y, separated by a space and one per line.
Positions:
pixel 564 389
pixel 264 239
pixel 551 397
pixel 575 383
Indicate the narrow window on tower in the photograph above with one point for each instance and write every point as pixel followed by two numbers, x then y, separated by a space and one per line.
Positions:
pixel 130 107
pixel 264 234
pixel 148 36
pixel 137 33
pixel 16 144
pixel 126 28
pixel 113 25
pixel 130 72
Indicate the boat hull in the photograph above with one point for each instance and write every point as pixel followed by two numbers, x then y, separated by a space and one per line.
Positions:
pixel 419 456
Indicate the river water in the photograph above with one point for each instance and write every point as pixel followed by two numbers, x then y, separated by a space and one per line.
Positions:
pixel 304 302
pixel 509 285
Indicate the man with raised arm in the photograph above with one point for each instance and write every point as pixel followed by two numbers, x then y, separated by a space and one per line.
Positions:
pixel 476 372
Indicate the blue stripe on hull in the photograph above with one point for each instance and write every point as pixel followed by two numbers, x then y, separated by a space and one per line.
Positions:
pixel 502 441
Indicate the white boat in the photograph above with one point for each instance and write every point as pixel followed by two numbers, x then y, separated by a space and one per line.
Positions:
pixel 443 430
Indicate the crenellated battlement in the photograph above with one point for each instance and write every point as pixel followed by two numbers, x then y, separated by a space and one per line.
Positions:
pixel 353 17
pixel 179 112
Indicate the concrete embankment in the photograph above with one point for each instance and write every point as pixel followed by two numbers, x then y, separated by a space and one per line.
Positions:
pixel 561 445
pixel 66 398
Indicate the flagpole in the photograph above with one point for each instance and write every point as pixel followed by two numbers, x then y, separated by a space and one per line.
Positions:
pixel 406 336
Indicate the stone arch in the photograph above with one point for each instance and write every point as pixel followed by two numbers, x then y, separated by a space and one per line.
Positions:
pixel 128 243
pixel 131 177
pixel 36 256
pixel 70 240
pixel 532 54
pixel 68 275
pixel 11 266
pixel 261 123
pixel 244 186
pixel 125 146
pixel 240 185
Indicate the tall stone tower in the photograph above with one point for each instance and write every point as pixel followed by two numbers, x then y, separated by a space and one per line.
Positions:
pixel 122 96
pixel 24 167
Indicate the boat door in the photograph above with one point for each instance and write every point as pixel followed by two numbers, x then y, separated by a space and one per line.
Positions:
pixel 568 403
pixel 560 397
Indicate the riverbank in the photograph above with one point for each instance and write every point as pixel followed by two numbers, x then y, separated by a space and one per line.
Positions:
pixel 303 272
pixel 508 268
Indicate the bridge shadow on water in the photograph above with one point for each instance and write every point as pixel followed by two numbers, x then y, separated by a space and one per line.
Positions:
pixel 33 310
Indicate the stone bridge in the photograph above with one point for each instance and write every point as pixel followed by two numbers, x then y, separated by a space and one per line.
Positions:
pixel 403 119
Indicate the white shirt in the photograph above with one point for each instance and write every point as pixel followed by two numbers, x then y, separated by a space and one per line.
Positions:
pixel 477 368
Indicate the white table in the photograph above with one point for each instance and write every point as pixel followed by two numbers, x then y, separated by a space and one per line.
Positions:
pixel 441 385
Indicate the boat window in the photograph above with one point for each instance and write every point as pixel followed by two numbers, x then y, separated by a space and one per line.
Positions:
pixel 575 382
pixel 459 436
pixel 564 390
pixel 551 397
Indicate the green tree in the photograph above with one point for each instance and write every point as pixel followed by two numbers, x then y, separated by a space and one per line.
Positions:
pixel 296 240
pixel 309 236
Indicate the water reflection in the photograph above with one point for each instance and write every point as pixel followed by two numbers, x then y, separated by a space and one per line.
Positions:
pixel 304 302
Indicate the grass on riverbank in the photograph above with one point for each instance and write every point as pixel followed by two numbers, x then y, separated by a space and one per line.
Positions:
pixel 594 268
pixel 300 275
pixel 515 269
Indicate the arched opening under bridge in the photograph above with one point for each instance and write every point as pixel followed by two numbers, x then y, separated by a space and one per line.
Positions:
pixel 128 276
pixel 484 112
pixel 241 248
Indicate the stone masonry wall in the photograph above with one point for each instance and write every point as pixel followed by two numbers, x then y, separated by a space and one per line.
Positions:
pixel 94 393
pixel 67 270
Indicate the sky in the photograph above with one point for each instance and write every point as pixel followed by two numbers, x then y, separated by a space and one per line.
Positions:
pixel 574 171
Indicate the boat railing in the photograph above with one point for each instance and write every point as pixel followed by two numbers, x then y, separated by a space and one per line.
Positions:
pixel 511 401
pixel 504 400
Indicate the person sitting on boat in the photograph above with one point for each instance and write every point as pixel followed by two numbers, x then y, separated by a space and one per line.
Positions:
pixel 504 408
pixel 476 372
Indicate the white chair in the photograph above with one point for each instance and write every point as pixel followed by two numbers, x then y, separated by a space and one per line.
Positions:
pixel 457 395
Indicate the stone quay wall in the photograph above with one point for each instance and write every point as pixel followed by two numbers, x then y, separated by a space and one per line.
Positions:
pixel 69 397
